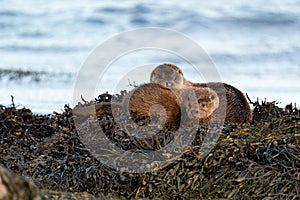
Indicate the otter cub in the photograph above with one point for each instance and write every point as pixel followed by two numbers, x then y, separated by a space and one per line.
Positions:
pixel 155 100
pixel 232 101
pixel 198 102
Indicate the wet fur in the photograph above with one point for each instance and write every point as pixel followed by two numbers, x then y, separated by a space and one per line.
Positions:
pixel 232 101
pixel 170 107
pixel 146 100
pixel 198 102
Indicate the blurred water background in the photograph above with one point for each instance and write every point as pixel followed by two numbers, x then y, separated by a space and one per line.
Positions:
pixel 255 45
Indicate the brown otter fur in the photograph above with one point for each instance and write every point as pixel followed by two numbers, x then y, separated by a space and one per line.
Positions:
pixel 198 102
pixel 155 100
pixel 231 100
pixel 232 103
pixel 146 100
pixel 170 76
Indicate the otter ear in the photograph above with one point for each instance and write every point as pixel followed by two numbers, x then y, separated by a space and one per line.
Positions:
pixel 151 76
pixel 188 101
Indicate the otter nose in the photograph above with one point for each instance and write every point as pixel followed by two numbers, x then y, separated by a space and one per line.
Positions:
pixel 169 84
pixel 194 112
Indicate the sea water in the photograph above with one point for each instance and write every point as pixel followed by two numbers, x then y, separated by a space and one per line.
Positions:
pixel 254 45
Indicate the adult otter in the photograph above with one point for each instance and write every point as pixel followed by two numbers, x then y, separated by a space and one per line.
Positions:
pixel 147 100
pixel 232 102
pixel 170 76
pixel 168 106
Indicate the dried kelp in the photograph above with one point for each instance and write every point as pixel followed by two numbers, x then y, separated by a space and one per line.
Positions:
pixel 254 160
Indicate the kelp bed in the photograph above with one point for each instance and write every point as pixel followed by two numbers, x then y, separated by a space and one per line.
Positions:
pixel 259 160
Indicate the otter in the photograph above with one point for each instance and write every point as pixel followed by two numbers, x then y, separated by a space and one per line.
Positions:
pixel 3 191
pixel 231 100
pixel 147 100
pixel 198 102
pixel 152 99
pixel 170 76
pixel 232 103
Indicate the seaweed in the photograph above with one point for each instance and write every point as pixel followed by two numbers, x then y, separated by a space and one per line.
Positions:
pixel 44 157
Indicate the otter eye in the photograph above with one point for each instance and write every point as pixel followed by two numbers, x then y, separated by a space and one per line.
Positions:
pixel 188 101
pixel 200 101
pixel 169 84
pixel 212 97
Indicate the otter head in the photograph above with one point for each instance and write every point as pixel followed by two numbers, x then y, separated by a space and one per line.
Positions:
pixel 168 75
pixel 201 102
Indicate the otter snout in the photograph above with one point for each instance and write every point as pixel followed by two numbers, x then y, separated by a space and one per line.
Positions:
pixel 195 113
pixel 169 84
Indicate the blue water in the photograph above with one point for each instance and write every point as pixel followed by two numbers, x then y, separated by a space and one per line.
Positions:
pixel 254 45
